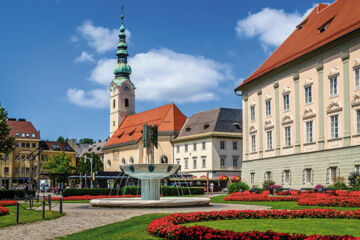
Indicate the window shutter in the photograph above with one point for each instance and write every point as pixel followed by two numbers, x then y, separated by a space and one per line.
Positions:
pixel 312 176
pixel 304 176
pixel 289 177
pixel 283 178
pixel 328 176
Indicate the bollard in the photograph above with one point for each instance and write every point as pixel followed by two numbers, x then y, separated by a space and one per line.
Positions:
pixel 61 206
pixel 49 202
pixel 17 212
pixel 38 198
pixel 43 209
pixel 30 202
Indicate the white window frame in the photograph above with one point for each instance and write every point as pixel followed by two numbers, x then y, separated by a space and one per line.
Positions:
pixel 268 108
pixel 178 161
pixel 194 146
pixel 235 160
pixel 286 102
pixel 235 145
pixel 308 94
pixel 287 176
pixel 357 169
pixel 186 163
pixel 333 86
pixel 309 138
pixel 194 162
pixel 253 143
pixel 287 136
pixel 203 145
pixel 357 80
pixel 269 140
pixel 357 120
pixel 308 175
pixel 222 145
pixel 203 162
pixel 268 176
pixel 252 113
pixel 333 127
pixel 222 161
pixel 186 147
pixel 252 178
pixel 177 148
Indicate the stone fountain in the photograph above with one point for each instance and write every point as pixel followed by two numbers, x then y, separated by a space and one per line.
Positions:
pixel 150 175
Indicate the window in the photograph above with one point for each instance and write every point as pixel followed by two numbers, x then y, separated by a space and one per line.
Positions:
pixel 252 178
pixel 309 132
pixel 27 135
pixel 222 145
pixel 33 135
pixel 123 161
pixel 252 113
pixel 27 145
pixel 16 134
pixel 23 145
pixel 186 147
pixel 42 157
pixel 203 160
pixel 164 159
pixel 287 136
pixel 187 129
pixel 333 174
pixel 333 86
pixel 287 176
pixel 6 170
pixel 34 145
pixel 114 103
pixel 206 126
pixel 358 121
pixel 16 170
pixel 235 145
pixel 222 161
pixel 268 176
pixel 113 123
pixel 132 160
pixel 269 140
pixel 178 148
pixel 235 161
pixel 186 160
pixel 126 102
pixel 268 108
pixel 357 169
pixel 194 146
pixel 23 170
pixel 204 145
pixel 6 157
pixel 16 144
pixel 178 161
pixel 286 99
pixel 334 121
pixel 357 77
pixel 253 143
pixel 325 26
pixel 23 134
pixel 194 162
pixel 308 94
pixel 308 175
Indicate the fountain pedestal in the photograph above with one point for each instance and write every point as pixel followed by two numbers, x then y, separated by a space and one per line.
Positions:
pixel 150 189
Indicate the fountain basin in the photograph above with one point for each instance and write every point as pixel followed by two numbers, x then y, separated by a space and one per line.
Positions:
pixel 162 202
pixel 150 170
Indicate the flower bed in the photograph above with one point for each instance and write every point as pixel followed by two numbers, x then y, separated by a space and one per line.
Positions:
pixel 89 197
pixel 169 227
pixel 333 201
pixel 4 210
pixel 259 197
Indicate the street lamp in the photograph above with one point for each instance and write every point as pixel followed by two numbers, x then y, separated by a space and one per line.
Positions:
pixel 91 167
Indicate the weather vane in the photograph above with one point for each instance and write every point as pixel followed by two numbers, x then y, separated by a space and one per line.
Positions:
pixel 122 14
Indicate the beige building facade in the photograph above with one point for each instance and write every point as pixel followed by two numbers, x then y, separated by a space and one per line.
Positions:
pixel 302 119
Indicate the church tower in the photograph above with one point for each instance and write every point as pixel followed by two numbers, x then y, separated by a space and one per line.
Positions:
pixel 122 90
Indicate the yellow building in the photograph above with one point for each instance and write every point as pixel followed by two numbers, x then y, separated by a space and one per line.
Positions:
pixel 50 149
pixel 301 107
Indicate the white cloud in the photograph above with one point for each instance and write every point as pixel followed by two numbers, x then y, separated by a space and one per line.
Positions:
pixel 100 38
pixel 160 75
pixel 96 98
pixel 85 57
pixel 271 26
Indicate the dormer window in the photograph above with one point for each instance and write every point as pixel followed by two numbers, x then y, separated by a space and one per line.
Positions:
pixel 188 129
pixel 121 135
pixel 206 126
pixel 236 125
pixel 325 26
pixel 301 25
pixel 132 132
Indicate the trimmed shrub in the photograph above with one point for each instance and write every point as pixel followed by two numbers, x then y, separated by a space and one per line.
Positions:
pixel 237 186
pixel 88 191
pixel 12 194
pixel 267 184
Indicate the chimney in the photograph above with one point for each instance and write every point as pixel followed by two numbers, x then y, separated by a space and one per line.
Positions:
pixel 72 143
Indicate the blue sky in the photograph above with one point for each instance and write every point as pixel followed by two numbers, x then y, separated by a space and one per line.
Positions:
pixel 57 56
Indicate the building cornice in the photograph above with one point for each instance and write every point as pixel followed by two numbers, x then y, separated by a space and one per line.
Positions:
pixel 207 135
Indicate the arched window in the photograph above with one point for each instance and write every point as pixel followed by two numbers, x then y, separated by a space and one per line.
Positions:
pixel 109 163
pixel 126 102
pixel 123 161
pixel 114 103
pixel 163 159
pixel 131 160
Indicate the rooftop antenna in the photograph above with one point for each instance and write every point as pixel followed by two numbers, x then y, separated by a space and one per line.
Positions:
pixel 122 14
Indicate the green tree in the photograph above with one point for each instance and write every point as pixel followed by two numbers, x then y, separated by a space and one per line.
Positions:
pixel 61 139
pixel 86 141
pixel 6 141
pixel 84 163
pixel 59 164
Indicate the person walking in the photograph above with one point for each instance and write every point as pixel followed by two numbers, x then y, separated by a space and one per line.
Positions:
pixel 212 188
pixel 26 191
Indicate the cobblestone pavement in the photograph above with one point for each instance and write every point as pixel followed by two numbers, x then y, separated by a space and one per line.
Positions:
pixel 80 216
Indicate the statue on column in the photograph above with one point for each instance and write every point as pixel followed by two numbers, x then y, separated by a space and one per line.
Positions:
pixel 150 141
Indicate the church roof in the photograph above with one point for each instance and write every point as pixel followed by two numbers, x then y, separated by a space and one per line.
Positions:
pixel 323 25
pixel 168 118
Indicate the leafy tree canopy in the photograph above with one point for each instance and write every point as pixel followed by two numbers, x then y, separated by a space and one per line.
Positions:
pixel 60 163
pixel 6 142
pixel 86 141
pixel 61 139
pixel 84 165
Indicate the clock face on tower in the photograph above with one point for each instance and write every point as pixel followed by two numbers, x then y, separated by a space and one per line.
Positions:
pixel 126 88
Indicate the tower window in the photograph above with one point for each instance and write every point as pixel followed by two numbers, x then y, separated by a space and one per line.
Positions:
pixel 114 103
pixel 126 102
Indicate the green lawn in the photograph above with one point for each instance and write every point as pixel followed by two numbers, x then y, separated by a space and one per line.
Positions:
pixel 25 216
pixel 277 205
pixel 306 226
pixel 133 228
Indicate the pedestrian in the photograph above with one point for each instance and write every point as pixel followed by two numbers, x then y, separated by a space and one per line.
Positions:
pixel 26 191
pixel 212 188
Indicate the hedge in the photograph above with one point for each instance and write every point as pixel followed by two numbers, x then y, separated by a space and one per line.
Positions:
pixel 132 190
pixel 12 194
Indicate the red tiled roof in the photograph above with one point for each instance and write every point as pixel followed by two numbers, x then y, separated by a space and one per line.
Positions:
pixel 346 18
pixel 21 127
pixel 168 118
pixel 57 146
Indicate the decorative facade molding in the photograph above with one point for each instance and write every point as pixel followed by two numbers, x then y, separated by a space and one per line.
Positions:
pixel 320 66
pixel 268 125
pixel 308 81
pixel 276 85
pixel 252 130
pixel 286 89
pixel 345 56
pixel 296 77
pixel 309 113
pixel 252 103
pixel 259 92
pixel 356 62
pixel 245 97
pixel 356 100
pixel 287 119
pixel 333 71
pixel 267 97
pixel 334 107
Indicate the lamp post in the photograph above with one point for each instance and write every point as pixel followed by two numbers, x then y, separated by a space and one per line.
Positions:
pixel 91 167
